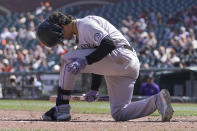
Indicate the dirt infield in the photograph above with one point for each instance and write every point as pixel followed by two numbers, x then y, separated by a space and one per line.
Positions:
pixel 31 120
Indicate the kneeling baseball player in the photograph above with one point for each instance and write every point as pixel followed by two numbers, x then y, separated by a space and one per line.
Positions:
pixel 102 50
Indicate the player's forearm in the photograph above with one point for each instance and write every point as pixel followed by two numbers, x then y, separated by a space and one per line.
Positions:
pixel 106 47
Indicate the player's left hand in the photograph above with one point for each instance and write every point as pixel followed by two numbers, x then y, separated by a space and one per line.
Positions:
pixel 91 96
pixel 76 65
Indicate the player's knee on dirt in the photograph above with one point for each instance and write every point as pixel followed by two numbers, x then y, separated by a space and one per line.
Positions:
pixel 115 116
pixel 118 116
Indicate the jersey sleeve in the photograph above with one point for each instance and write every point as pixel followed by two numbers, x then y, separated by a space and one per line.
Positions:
pixel 93 33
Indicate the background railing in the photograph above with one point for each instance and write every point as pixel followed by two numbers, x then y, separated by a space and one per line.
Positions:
pixel 41 85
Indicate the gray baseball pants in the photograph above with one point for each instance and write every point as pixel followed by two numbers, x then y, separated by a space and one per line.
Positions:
pixel 120 69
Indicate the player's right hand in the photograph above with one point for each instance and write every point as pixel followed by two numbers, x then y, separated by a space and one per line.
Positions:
pixel 76 65
pixel 91 96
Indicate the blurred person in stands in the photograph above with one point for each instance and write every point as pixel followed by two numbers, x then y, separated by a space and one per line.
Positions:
pixel 9 51
pixel 30 17
pixel 167 34
pixel 13 80
pixel 164 55
pixel 159 18
pixel 36 86
pixel 1 66
pixel 60 50
pixel 27 58
pixel 22 19
pixel 143 40
pixel 43 65
pixel 174 58
pixel 175 44
pixel 40 9
pixel 153 18
pixel 152 42
pixel 5 34
pixel 142 24
pixel 43 7
pixel 22 32
pixel 191 38
pixel 48 6
pixel 14 33
pixel 182 37
pixel 13 89
pixel 128 22
pixel 6 66
pixel 31 34
pixel 149 87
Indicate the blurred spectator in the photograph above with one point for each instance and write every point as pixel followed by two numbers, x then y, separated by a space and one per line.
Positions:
pixel 5 34
pixel 13 80
pixel 40 9
pixel 60 50
pixel 3 42
pixel 35 87
pixel 152 42
pixel 14 33
pixel 153 18
pixel 167 33
pixel 31 34
pixel 174 59
pixel 13 88
pixel 43 7
pixel 142 24
pixel 159 18
pixel 48 6
pixel 149 87
pixel 22 19
pixel 6 66
pixel 22 32
pixel 128 22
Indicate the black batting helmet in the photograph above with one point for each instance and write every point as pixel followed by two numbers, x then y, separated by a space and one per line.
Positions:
pixel 49 34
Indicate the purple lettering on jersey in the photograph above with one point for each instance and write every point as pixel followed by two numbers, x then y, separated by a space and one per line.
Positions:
pixel 98 36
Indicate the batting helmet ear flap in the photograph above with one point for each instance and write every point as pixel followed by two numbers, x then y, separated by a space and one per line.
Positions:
pixel 49 34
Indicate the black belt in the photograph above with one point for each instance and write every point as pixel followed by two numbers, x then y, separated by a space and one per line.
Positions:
pixel 128 47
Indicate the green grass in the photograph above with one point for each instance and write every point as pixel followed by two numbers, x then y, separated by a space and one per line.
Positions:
pixel 181 109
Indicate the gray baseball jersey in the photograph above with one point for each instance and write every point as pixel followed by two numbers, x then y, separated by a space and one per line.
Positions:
pixel 120 68
pixel 92 29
